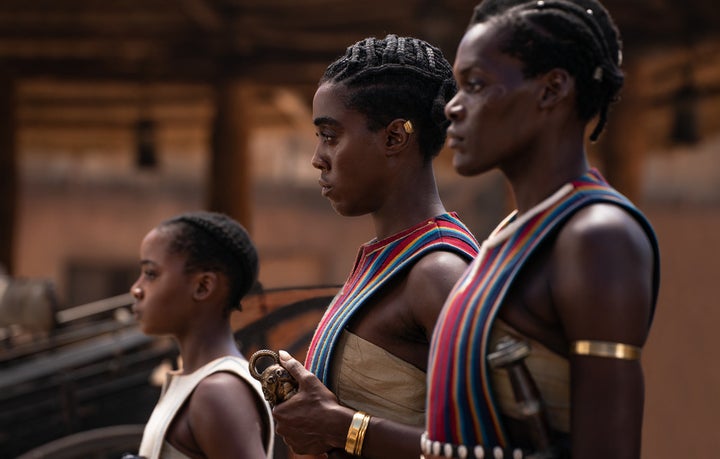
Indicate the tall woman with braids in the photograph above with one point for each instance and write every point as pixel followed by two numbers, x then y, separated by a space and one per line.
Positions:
pixel 378 113
pixel 571 276
pixel 195 269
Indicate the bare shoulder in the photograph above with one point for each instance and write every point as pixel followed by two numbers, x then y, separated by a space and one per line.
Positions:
pixel 217 387
pixel 219 382
pixel 430 281
pixel 224 417
pixel 438 267
pixel 601 282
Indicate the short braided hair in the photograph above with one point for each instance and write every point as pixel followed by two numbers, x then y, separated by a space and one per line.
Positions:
pixel 398 77
pixel 488 8
pixel 579 36
pixel 213 241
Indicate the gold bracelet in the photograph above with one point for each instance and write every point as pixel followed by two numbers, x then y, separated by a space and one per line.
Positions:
pixel 605 349
pixel 361 435
pixel 353 435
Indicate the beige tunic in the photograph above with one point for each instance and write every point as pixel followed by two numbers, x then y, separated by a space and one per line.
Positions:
pixel 550 371
pixel 168 451
pixel 177 389
pixel 367 377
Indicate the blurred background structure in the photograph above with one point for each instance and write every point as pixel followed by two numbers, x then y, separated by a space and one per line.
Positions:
pixel 116 114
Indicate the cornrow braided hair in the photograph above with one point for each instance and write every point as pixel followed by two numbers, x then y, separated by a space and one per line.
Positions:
pixel 398 77
pixel 213 241
pixel 579 36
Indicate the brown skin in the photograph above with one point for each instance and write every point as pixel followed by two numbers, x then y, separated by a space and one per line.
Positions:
pixel 594 279
pixel 220 419
pixel 380 173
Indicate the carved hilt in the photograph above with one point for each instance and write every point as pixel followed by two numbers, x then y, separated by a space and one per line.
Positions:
pixel 510 355
pixel 277 383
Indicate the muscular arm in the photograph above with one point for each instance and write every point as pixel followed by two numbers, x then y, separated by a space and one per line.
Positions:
pixel 224 419
pixel 428 286
pixel 313 421
pixel 602 288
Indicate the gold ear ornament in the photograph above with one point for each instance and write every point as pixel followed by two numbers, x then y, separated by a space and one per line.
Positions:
pixel 407 125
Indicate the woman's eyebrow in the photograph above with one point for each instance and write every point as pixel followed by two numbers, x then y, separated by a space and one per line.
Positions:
pixel 325 120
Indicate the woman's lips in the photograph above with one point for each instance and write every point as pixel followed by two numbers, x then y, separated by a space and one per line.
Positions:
pixel 325 187
pixel 454 140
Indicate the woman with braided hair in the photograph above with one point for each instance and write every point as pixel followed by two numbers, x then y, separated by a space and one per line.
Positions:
pixel 537 350
pixel 195 269
pixel 378 113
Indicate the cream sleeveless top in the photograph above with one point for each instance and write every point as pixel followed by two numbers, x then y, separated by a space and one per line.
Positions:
pixel 168 451
pixel 175 392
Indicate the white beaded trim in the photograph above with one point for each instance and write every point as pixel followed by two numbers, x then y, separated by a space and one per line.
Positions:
pixel 449 450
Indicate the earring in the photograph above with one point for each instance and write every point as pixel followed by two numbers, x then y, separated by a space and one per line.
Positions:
pixel 407 125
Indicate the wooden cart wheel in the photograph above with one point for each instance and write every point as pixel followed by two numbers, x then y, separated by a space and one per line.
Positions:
pixel 101 443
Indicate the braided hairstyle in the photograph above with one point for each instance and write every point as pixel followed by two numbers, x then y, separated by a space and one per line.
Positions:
pixel 398 77
pixel 579 36
pixel 215 242
pixel 488 8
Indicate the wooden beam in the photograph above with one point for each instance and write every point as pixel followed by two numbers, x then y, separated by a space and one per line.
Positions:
pixel 271 66
pixel 203 14
pixel 8 172
pixel 229 182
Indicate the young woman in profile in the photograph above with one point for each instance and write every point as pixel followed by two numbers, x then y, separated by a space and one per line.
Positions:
pixel 378 115
pixel 195 269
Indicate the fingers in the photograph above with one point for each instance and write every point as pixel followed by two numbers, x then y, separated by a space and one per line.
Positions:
pixel 295 368
pixel 308 384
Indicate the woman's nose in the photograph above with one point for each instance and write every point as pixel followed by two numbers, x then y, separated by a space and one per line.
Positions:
pixel 453 110
pixel 136 292
pixel 318 161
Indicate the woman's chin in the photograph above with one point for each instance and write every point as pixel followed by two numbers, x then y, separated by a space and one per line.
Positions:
pixel 463 167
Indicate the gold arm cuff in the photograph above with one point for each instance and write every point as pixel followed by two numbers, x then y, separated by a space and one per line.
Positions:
pixel 356 433
pixel 605 349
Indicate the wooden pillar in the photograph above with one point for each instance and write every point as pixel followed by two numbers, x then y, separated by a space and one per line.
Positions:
pixel 8 171
pixel 623 143
pixel 230 181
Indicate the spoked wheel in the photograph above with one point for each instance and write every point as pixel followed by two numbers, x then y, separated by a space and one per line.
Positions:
pixel 102 443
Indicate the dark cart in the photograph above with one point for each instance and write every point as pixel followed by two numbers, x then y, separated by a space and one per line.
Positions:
pixel 85 388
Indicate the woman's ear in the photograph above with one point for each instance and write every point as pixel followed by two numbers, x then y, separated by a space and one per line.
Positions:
pixel 205 284
pixel 556 86
pixel 398 134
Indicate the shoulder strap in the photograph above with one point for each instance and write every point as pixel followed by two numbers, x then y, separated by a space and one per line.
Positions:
pixel 460 341
pixel 375 266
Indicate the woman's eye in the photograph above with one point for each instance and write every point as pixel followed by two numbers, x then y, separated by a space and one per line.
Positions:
pixel 149 274
pixel 473 86
pixel 325 137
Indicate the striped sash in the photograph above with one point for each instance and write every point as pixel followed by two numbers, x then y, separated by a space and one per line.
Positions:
pixel 376 264
pixel 461 406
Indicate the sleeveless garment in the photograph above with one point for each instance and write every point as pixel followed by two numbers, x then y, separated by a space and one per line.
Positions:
pixel 462 406
pixel 377 263
pixel 178 388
